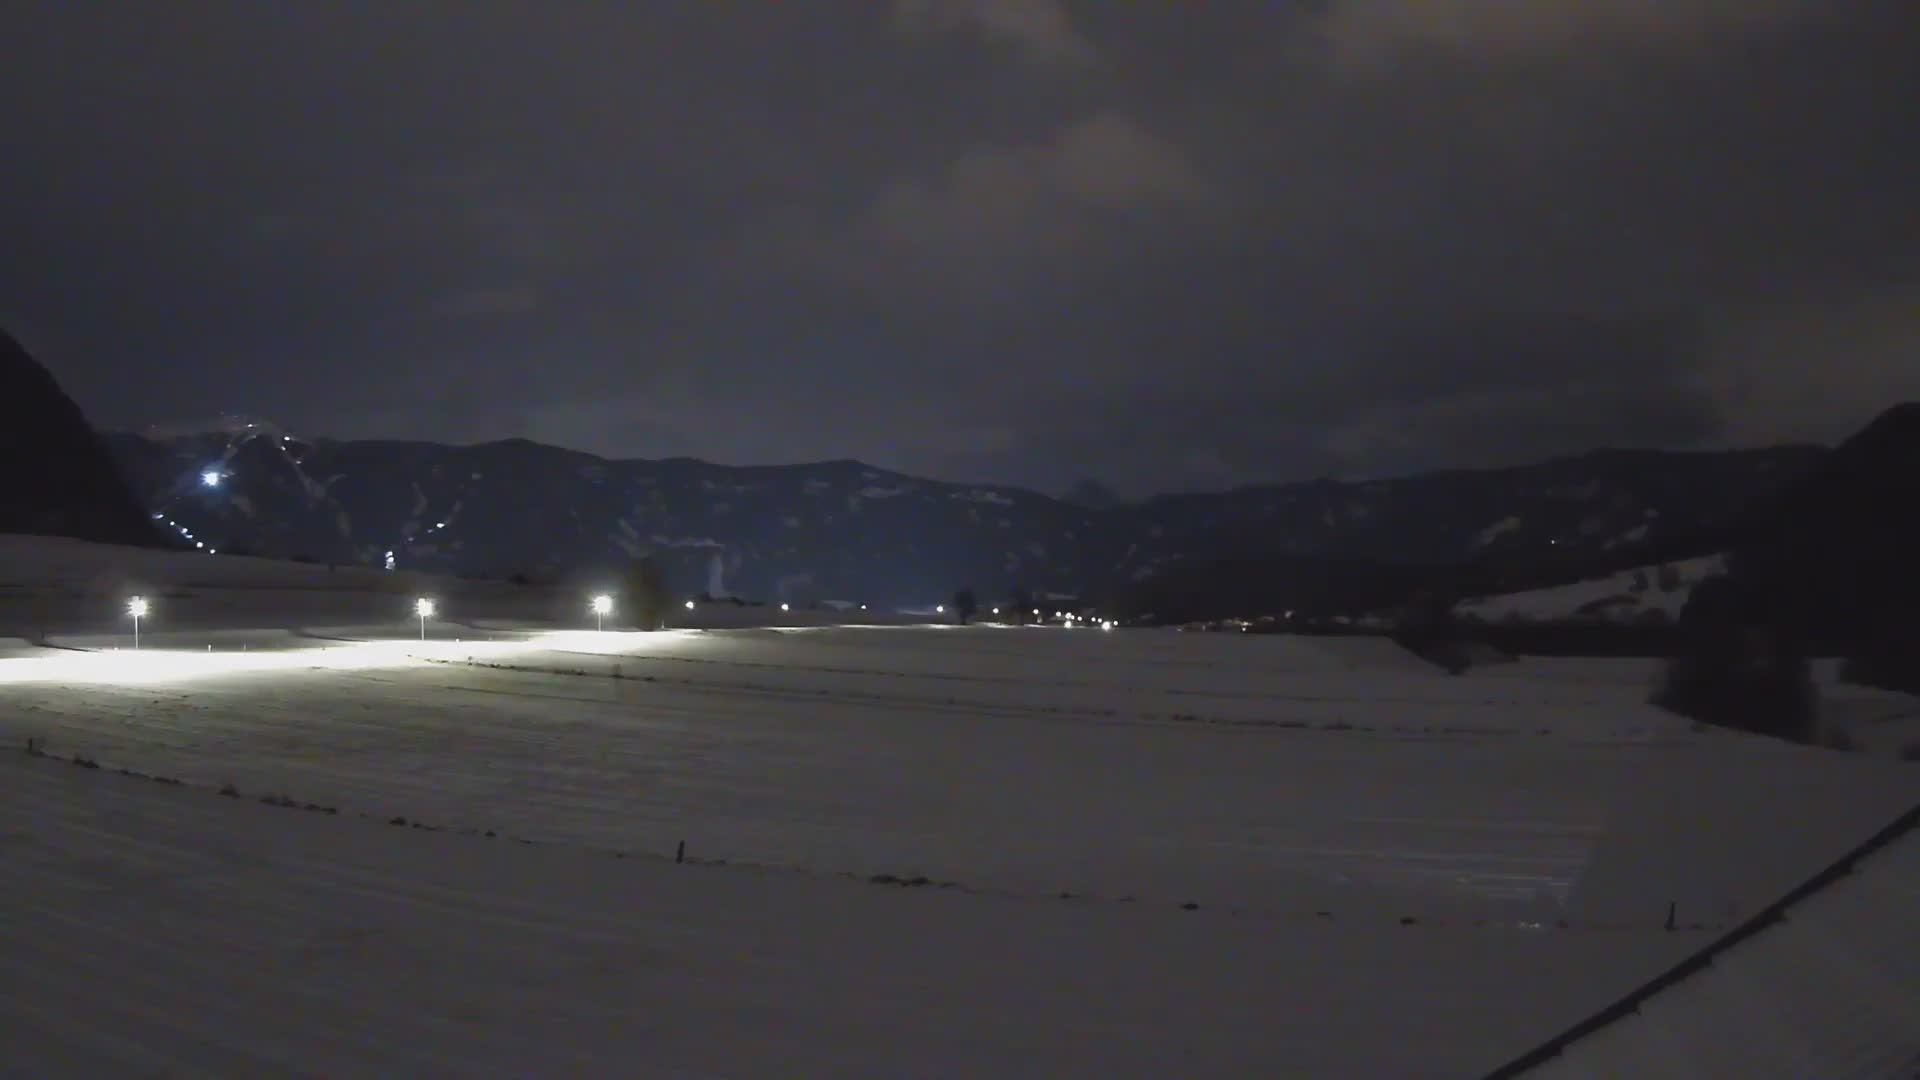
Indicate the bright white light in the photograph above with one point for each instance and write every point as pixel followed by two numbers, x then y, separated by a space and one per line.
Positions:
pixel 786 607
pixel 603 605
pixel 210 478
pixel 939 609
pixel 126 667
pixel 137 607
pixel 996 611
pixel 689 605
pixel 1108 625
pixel 423 607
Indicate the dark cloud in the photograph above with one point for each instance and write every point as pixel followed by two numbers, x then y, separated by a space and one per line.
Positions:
pixel 1020 240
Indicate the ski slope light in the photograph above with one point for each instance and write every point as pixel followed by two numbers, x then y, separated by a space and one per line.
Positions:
pixel 423 607
pixel 689 605
pixel 136 607
pixel 210 478
pixel 939 609
pixel 786 607
pixel 602 606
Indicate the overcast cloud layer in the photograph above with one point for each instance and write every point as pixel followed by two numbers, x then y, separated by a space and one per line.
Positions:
pixel 1165 245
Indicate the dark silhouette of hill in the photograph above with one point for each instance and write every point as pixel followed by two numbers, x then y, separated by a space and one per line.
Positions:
pixel 57 477
pixel 1837 552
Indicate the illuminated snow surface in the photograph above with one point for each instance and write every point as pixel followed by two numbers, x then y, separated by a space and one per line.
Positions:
pixel 1392 872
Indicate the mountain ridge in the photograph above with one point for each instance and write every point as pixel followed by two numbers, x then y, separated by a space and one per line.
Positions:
pixel 845 529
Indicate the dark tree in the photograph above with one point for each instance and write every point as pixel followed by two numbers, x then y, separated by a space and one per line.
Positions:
pixel 647 593
pixel 1427 629
pixel 1739 665
pixel 964 605
pixel 1022 603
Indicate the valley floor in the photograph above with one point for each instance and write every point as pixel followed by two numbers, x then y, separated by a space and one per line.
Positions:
pixel 1125 853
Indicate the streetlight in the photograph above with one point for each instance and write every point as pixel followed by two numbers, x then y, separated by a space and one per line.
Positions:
pixel 423 607
pixel 786 607
pixel 602 606
pixel 939 609
pixel 136 607
pixel 689 605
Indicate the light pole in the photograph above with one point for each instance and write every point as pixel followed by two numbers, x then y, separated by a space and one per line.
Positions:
pixel 602 605
pixel 423 607
pixel 136 607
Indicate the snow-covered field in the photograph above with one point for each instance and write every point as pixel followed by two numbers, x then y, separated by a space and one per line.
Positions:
pixel 1132 852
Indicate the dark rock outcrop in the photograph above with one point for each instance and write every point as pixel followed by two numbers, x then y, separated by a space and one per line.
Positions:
pixel 56 476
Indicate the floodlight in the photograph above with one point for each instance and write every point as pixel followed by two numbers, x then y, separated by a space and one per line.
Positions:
pixel 210 478
pixel 423 607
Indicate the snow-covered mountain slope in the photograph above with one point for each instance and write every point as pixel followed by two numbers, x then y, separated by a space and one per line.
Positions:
pixel 843 530
pixel 1639 596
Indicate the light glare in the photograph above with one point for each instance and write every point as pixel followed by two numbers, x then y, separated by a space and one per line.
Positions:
pixel 137 607
pixel 423 607
pixel 210 478
pixel 603 605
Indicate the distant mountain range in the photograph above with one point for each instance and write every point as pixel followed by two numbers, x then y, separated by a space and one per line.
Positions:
pixel 1828 534
pixel 845 530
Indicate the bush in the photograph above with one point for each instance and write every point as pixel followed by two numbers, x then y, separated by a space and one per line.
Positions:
pixel 1839 738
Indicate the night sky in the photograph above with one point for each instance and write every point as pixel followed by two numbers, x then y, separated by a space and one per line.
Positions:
pixel 1165 245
